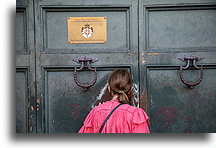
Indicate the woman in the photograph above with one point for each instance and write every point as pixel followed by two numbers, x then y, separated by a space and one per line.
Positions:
pixel 126 118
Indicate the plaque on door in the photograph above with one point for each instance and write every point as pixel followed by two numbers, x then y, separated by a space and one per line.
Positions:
pixel 87 30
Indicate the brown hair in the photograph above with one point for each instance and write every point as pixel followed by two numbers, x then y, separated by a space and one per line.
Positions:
pixel 120 82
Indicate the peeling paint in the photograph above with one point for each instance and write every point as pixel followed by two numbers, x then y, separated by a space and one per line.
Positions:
pixel 30 128
pixel 75 111
pixel 143 101
pixel 38 105
pixel 143 60
pixel 166 115
pixel 153 53
pixel 38 101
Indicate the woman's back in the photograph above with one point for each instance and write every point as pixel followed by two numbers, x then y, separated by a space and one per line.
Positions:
pixel 125 119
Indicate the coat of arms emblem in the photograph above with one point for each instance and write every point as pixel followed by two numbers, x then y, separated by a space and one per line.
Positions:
pixel 87 31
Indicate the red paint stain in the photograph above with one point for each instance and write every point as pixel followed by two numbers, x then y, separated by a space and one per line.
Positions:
pixel 168 84
pixel 166 115
pixel 188 118
pixel 209 94
pixel 75 111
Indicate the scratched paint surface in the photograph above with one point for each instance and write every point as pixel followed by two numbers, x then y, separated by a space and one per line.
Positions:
pixel 68 105
pixel 174 107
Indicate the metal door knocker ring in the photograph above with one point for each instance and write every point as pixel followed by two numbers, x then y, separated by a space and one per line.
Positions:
pixel 193 59
pixel 85 61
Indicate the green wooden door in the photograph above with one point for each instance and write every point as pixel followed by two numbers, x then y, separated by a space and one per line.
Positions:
pixel 63 105
pixel 146 37
pixel 169 30
pixel 25 68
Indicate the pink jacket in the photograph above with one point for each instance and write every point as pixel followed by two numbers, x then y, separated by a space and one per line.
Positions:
pixel 125 119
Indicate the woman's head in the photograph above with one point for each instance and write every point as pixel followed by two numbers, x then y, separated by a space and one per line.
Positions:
pixel 120 83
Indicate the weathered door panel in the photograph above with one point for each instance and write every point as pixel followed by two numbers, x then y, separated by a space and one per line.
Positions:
pixel 176 108
pixel 25 67
pixel 67 105
pixel 170 30
pixel 62 105
pixel 55 36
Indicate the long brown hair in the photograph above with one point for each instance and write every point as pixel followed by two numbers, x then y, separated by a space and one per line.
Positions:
pixel 120 83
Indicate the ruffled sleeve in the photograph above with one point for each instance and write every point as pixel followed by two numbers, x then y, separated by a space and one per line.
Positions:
pixel 140 122
pixel 88 124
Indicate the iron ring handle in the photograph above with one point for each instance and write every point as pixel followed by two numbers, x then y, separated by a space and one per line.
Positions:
pixel 191 84
pixel 88 64
pixel 188 64
pixel 194 64
pixel 85 85
pixel 82 65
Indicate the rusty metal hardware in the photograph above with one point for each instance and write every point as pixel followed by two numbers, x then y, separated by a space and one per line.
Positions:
pixel 188 60
pixel 85 61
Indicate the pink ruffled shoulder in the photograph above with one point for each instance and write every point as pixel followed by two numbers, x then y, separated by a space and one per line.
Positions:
pixel 139 116
pixel 88 121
